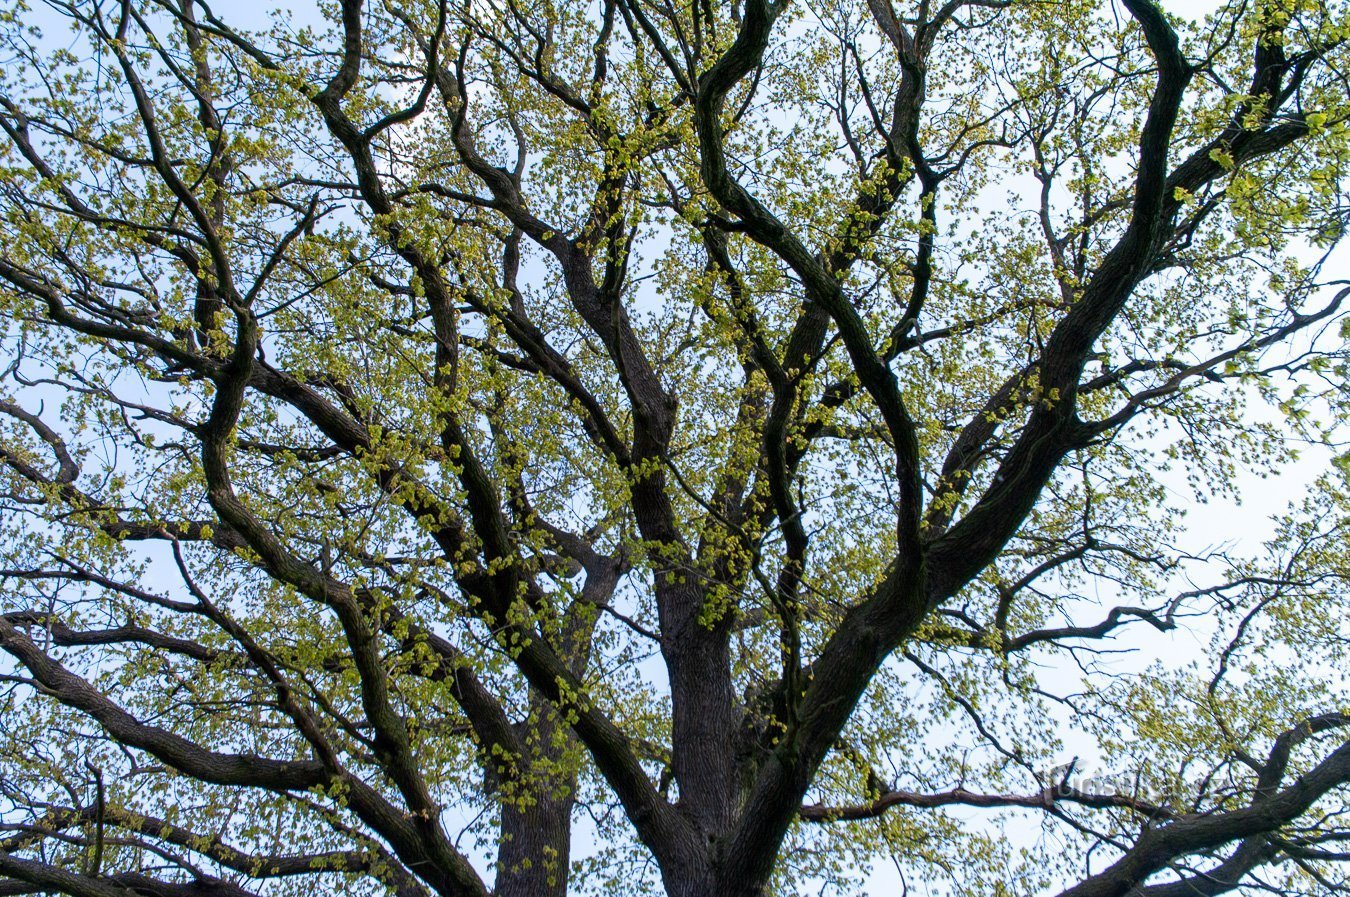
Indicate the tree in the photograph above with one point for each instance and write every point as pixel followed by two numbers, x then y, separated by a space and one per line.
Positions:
pixel 524 447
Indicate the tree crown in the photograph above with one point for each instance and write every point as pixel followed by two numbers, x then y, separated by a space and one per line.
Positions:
pixel 517 447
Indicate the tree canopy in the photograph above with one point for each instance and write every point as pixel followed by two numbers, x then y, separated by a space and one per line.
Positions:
pixel 531 447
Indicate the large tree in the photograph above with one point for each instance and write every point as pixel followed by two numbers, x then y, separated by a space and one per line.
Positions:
pixel 531 447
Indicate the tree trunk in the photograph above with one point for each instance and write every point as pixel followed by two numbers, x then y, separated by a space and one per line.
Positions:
pixel 532 856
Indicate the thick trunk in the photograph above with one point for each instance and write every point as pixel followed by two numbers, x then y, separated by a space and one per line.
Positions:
pixel 711 884
pixel 705 720
pixel 532 857
pixel 535 846
pixel 690 884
